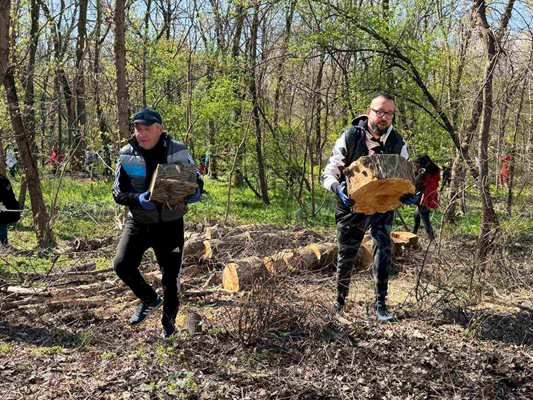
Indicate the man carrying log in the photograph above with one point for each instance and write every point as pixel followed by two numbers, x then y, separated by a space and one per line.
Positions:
pixel 149 224
pixel 369 134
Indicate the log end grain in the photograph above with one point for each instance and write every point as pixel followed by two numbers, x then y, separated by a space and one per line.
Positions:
pixel 380 196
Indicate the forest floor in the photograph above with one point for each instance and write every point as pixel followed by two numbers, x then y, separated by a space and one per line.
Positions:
pixel 71 339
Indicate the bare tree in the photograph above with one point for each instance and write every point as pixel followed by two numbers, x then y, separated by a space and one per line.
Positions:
pixel 123 98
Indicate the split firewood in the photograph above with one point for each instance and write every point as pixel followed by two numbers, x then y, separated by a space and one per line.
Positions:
pixel 172 183
pixel 377 182
pixel 242 274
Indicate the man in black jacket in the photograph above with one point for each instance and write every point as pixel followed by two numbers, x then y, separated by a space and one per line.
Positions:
pixel 149 224
pixel 369 134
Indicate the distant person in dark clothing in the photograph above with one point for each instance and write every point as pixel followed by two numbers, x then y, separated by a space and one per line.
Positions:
pixel 9 208
pixel 446 176
pixel 428 177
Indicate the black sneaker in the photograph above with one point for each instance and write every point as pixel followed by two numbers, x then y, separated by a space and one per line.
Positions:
pixel 382 312
pixel 143 310
pixel 338 307
pixel 168 330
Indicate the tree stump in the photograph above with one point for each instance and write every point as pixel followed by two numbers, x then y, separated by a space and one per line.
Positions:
pixel 377 182
pixel 172 183
pixel 243 273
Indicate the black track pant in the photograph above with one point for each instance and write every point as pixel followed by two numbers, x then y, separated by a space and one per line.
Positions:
pixel 166 238
pixel 351 229
pixel 423 213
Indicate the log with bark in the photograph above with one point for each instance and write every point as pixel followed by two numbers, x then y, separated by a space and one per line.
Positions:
pixel 172 183
pixel 314 257
pixel 377 182
pixel 242 274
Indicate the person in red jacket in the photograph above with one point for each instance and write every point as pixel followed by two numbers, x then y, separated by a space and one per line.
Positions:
pixel 503 176
pixel 428 177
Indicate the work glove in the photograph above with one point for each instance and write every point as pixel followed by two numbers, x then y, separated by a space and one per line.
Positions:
pixel 145 203
pixel 344 198
pixel 195 197
pixel 409 199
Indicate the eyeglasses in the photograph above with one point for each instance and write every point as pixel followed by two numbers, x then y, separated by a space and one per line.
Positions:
pixel 380 114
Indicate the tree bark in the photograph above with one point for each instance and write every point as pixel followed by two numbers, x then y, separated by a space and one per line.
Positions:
pixel 78 144
pixel 123 98
pixel 255 109
pixel 489 221
pixel 40 214
pixel 5 21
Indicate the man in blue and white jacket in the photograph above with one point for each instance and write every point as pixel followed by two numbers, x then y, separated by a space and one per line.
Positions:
pixel 369 134
pixel 149 224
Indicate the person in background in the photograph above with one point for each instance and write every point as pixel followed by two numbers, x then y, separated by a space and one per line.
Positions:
pixel 11 160
pixel 503 176
pixel 9 208
pixel 428 177
pixel 446 176
pixel 149 224
pixel 53 160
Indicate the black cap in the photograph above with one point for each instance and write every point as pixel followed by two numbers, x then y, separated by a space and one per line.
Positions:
pixel 147 116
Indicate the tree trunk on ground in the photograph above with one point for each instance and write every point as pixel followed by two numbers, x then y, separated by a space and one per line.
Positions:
pixel 40 214
pixel 123 98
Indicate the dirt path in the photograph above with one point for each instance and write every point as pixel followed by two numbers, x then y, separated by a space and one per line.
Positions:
pixel 284 343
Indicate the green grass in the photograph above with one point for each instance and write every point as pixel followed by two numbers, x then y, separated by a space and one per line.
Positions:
pixel 86 208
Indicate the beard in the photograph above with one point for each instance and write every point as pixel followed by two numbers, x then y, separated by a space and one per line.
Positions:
pixel 377 130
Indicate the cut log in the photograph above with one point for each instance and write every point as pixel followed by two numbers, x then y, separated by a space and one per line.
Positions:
pixel 405 239
pixel 172 183
pixel 377 182
pixel 364 257
pixel 242 274
pixel 212 232
pixel 400 241
pixel 314 257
